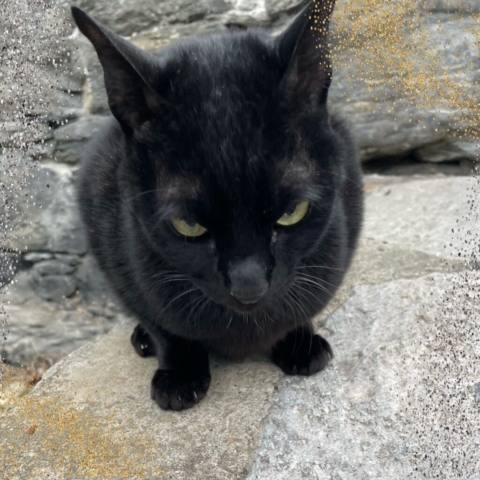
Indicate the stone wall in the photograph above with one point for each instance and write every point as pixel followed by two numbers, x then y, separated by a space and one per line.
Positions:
pixel 58 299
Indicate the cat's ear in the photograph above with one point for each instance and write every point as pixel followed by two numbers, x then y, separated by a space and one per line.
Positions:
pixel 303 51
pixel 128 72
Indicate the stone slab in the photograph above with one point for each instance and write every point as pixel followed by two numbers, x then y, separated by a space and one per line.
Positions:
pixel 429 215
pixel 106 384
pixel 397 402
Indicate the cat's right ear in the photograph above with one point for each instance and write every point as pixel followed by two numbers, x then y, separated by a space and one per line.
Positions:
pixel 128 72
pixel 304 53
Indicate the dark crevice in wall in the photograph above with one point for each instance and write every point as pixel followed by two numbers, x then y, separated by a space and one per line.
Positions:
pixel 411 165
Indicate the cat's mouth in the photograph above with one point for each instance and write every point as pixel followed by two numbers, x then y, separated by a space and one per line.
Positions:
pixel 244 307
pixel 229 301
pixel 241 307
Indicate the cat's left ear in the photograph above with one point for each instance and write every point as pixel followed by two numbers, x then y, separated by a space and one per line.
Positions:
pixel 303 50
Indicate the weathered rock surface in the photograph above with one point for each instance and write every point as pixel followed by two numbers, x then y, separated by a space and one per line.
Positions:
pixel 402 215
pixel 41 333
pixel 56 306
pixel 405 102
pixel 398 400
pixel 369 415
pixel 46 216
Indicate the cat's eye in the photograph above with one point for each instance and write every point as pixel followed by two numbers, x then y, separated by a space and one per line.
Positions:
pixel 189 229
pixel 294 215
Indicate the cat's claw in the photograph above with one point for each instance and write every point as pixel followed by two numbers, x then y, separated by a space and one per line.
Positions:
pixel 173 390
pixel 302 353
pixel 142 343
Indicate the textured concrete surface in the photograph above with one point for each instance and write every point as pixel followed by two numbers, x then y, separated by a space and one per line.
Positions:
pixel 398 400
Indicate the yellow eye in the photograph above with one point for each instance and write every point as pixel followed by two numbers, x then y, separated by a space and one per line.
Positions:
pixel 288 219
pixel 188 229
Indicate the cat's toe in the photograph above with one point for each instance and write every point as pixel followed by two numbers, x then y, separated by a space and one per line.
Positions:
pixel 173 390
pixel 142 342
pixel 301 353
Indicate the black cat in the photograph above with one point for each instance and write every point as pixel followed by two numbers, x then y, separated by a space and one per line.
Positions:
pixel 222 200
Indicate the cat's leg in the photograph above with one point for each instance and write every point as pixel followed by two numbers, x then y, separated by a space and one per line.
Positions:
pixel 301 352
pixel 142 342
pixel 184 374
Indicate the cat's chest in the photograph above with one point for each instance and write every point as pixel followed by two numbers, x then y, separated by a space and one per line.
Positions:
pixel 252 339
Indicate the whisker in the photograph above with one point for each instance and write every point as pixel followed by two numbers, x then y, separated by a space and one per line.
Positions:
pixel 178 296
pixel 202 308
pixel 321 266
pixel 269 317
pixel 310 276
pixel 145 193
pixel 170 279
pixel 168 274
pixel 301 275
pixel 341 307
pixel 194 304
pixel 312 282
pixel 309 323
pixel 300 305
pixel 325 306
pixel 254 318
pixel 294 318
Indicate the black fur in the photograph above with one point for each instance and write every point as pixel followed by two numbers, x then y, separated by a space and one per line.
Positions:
pixel 229 131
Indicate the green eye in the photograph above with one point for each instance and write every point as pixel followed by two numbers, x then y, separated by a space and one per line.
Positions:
pixel 188 229
pixel 288 219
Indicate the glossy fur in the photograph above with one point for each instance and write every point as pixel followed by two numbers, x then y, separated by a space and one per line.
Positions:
pixel 228 131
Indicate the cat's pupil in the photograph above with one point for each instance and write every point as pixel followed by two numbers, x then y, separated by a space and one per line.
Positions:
pixel 191 223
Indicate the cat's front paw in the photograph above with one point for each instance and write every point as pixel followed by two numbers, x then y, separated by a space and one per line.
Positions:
pixel 174 390
pixel 142 342
pixel 302 353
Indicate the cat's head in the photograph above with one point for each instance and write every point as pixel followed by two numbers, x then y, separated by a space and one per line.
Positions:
pixel 231 162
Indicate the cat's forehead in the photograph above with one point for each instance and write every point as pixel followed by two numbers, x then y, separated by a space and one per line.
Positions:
pixel 224 95
pixel 232 63
pixel 235 50
pixel 175 187
pixel 296 170
pixel 241 183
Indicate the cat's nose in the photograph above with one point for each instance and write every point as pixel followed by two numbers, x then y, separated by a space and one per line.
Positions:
pixel 248 280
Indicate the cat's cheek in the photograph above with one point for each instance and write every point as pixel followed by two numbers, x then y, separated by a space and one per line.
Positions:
pixel 281 278
pixel 213 288
pixel 280 271
pixel 299 243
